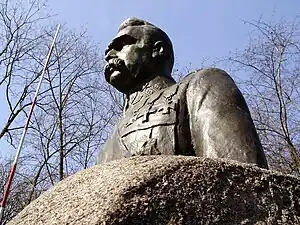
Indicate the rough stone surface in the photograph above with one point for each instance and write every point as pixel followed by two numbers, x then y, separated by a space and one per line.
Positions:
pixel 168 190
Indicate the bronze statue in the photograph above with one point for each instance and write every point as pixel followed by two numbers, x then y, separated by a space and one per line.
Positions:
pixel 203 115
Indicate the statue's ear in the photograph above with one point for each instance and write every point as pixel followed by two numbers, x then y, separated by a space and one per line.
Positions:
pixel 159 50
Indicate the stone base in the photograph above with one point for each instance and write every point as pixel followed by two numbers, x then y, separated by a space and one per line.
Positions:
pixel 168 190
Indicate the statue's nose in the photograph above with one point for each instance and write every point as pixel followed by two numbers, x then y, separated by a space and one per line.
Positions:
pixel 110 55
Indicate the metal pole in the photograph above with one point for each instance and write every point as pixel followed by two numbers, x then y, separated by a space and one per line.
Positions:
pixel 15 162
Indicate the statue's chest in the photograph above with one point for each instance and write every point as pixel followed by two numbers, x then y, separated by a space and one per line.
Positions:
pixel 149 126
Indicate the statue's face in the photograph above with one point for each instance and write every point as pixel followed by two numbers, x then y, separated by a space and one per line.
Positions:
pixel 129 59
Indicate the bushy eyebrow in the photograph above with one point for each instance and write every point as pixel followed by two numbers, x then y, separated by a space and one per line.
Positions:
pixel 117 41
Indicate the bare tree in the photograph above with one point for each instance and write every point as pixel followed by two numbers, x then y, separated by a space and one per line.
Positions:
pixel 75 111
pixel 74 114
pixel 19 36
pixel 18 193
pixel 272 87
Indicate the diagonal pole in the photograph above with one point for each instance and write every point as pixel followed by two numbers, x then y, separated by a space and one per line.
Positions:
pixel 15 162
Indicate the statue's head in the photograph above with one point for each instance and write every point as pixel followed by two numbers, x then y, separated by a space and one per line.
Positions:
pixel 139 52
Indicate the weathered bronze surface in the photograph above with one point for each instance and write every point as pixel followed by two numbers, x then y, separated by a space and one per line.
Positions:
pixel 204 114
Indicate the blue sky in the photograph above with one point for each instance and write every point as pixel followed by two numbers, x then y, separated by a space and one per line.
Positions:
pixel 199 30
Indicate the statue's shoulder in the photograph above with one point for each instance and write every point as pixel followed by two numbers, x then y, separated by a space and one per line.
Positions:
pixel 207 74
pixel 207 79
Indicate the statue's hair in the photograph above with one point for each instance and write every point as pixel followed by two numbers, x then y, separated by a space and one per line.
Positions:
pixel 156 34
pixel 130 22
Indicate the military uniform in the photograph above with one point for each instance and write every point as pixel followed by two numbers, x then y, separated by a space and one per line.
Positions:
pixel 203 115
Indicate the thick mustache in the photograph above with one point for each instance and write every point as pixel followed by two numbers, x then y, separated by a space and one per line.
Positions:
pixel 113 65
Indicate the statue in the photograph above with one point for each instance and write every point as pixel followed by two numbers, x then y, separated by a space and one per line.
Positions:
pixel 203 115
